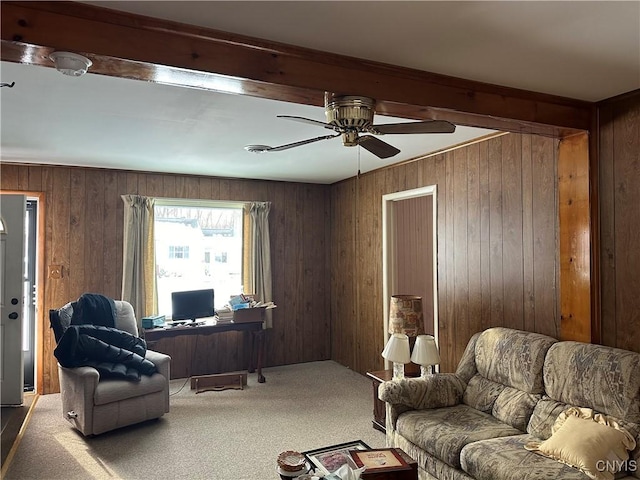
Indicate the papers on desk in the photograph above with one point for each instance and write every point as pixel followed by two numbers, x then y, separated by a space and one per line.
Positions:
pixel 227 313
pixel 224 315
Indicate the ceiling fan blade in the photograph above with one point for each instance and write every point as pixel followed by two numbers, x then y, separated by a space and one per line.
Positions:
pixel 376 146
pixel 428 126
pixel 306 120
pixel 267 148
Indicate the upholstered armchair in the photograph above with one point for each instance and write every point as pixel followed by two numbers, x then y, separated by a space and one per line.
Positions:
pixel 95 405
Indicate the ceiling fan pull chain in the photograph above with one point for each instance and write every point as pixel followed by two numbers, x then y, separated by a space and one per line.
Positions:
pixel 358 161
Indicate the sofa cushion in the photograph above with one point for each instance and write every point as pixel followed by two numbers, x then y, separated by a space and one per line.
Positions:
pixel 513 358
pixel 437 469
pixel 515 407
pixel 443 432
pixel 467 366
pixel 593 376
pixel 481 393
pixel 544 415
pixel 112 390
pixel 506 459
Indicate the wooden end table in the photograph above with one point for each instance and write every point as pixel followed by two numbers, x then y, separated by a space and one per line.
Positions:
pixel 379 409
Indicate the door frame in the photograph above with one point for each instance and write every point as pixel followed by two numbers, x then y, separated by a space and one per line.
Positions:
pixel 41 326
pixel 388 249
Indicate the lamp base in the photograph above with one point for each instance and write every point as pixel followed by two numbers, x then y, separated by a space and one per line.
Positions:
pixel 398 371
pixel 426 371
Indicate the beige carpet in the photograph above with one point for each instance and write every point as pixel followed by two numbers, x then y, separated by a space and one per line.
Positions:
pixel 229 435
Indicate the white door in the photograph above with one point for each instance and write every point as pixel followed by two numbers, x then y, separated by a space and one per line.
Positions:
pixel 12 215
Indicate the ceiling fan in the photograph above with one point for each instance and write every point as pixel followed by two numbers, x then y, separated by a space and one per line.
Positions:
pixel 350 116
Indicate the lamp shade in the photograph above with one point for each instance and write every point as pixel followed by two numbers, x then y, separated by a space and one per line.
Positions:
pixel 397 349
pixel 425 351
pixel 405 315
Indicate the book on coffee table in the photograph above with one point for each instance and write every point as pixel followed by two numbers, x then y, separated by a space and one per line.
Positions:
pixel 328 459
pixel 379 460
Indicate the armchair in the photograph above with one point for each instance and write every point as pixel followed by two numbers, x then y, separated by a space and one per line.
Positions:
pixel 95 405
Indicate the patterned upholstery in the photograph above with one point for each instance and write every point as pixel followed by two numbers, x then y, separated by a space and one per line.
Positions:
pixel 444 431
pixel 515 407
pixel 431 467
pixel 482 393
pixel 613 375
pixel 433 391
pixel 508 383
pixel 471 424
pixel 506 459
pixel 467 366
pixel 613 385
pixel 513 358
pixel 544 416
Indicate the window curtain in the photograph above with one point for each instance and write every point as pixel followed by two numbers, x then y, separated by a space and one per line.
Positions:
pixel 138 259
pixel 260 259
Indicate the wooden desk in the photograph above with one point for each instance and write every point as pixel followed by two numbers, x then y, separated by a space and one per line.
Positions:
pixel 255 357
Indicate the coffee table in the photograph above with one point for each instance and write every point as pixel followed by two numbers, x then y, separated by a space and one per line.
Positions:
pixel 326 459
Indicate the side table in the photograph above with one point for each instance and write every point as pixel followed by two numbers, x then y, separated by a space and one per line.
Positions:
pixel 379 409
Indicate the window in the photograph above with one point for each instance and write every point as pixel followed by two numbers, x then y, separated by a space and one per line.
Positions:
pixel 198 245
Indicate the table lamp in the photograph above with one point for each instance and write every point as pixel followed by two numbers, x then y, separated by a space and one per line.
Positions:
pixel 405 316
pixel 397 351
pixel 425 353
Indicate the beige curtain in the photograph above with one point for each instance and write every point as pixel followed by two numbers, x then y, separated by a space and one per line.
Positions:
pixel 138 259
pixel 260 260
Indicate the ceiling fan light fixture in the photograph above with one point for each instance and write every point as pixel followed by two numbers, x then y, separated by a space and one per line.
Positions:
pixel 351 115
pixel 70 64
pixel 257 148
pixel 350 138
pixel 350 111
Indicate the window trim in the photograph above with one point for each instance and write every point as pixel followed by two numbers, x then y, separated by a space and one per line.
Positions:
pixel 190 202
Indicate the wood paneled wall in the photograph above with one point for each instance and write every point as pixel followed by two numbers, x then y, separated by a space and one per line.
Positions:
pixel 498 262
pixel 84 228
pixel 619 194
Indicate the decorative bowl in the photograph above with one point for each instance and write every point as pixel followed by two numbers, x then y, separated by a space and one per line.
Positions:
pixel 292 461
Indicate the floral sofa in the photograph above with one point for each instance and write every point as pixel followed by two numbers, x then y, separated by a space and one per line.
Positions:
pixel 488 420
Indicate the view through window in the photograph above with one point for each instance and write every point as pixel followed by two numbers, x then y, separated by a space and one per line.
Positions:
pixel 198 247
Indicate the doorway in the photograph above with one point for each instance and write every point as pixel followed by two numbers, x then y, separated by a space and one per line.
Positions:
pixel 32 276
pixel 409 251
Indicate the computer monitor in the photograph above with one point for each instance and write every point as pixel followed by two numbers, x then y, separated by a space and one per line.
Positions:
pixel 192 304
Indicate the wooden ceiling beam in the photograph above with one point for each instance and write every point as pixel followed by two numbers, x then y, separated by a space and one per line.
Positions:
pixel 137 47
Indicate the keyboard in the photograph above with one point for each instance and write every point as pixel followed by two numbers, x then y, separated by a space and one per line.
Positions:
pixel 173 323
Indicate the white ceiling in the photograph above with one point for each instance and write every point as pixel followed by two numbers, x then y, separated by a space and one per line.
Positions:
pixel 583 50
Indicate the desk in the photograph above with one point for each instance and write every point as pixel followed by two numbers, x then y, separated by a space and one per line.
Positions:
pixel 253 329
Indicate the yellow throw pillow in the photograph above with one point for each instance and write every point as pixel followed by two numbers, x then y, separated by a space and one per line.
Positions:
pixel 594 444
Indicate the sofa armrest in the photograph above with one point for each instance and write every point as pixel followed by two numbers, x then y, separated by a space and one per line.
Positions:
pixel 433 391
pixel 161 361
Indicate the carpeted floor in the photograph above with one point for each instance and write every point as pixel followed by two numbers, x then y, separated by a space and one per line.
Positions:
pixel 229 435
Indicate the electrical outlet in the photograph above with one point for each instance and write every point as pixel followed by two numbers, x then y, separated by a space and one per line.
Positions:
pixel 55 271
